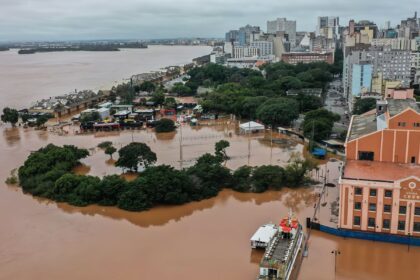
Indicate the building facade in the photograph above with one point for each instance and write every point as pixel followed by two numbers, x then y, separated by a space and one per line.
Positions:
pixel 307 57
pixel 361 79
pixel 380 182
pixel 242 51
pixel 327 27
pixel 264 47
pixel 283 25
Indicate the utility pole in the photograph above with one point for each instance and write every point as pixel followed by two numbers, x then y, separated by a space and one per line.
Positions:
pixel 180 147
pixel 336 253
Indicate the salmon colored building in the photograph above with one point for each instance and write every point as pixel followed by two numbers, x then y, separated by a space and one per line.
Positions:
pixel 380 182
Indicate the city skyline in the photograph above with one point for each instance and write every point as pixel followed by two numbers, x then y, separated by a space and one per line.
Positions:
pixel 22 20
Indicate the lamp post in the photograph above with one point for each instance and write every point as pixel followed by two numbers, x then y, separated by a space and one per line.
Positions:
pixel 336 253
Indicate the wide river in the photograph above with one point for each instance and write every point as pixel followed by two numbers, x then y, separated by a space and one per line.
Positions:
pixel 41 239
pixel 27 78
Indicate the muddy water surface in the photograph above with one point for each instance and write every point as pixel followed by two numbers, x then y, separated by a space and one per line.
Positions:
pixel 40 239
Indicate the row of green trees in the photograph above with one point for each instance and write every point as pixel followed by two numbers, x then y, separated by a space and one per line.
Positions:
pixel 262 94
pixel 48 173
pixel 11 116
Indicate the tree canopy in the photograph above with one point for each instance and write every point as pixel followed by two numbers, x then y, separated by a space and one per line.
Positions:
pixel 278 112
pixel 318 124
pixel 165 125
pixel 364 105
pixel 147 86
pixel 181 89
pixel 10 116
pixel 134 155
pixel 48 173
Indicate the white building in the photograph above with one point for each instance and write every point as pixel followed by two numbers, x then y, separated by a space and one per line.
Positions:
pixel 264 47
pixel 242 51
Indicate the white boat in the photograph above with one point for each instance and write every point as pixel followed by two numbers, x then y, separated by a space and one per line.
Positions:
pixel 283 252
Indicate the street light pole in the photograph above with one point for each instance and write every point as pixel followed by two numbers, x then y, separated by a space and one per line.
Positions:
pixel 336 253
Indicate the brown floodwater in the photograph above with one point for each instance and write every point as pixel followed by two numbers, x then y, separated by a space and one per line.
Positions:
pixel 41 239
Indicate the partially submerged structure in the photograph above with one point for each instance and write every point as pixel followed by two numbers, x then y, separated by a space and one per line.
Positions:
pixel 251 127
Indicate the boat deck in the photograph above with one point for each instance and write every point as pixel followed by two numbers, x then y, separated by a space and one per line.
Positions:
pixel 279 250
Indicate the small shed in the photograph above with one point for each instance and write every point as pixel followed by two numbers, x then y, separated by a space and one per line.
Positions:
pixel 250 127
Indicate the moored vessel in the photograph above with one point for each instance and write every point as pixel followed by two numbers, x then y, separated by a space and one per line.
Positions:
pixel 283 252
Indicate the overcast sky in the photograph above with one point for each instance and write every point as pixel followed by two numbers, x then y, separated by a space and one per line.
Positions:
pixel 147 19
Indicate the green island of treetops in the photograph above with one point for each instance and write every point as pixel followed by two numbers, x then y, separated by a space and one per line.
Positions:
pixel 48 173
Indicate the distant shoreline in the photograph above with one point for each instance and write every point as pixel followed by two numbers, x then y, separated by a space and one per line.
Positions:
pixel 91 48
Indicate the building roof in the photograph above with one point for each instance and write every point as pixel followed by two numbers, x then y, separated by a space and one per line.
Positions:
pixel 251 126
pixel 379 171
pixel 265 233
pixel 369 122
pixel 362 125
pixel 396 106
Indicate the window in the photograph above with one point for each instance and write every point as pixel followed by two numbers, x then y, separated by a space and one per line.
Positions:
pixel 387 208
pixel 372 207
pixel 357 205
pixel 386 223
pixel 388 193
pixel 358 191
pixel 371 222
pixel 356 221
pixel 372 192
pixel 416 227
pixel 403 209
pixel 366 155
pixel 401 225
pixel 401 124
pixel 417 211
pixel 416 124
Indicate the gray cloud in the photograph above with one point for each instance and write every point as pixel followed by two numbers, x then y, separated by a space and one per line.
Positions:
pixel 143 19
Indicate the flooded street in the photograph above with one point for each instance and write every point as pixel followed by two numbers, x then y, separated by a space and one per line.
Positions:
pixel 40 239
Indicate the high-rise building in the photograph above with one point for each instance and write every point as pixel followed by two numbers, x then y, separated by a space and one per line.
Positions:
pixel 232 36
pixel 245 51
pixel 284 25
pixel 409 28
pixel 361 78
pixel 395 65
pixel 265 47
pixel 244 35
pixel 327 27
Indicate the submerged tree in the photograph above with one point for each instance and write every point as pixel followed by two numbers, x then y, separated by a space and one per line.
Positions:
pixel 10 116
pixel 135 154
pixel 110 150
pixel 220 149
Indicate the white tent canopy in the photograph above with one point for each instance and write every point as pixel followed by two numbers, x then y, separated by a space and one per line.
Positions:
pixel 251 126
pixel 263 235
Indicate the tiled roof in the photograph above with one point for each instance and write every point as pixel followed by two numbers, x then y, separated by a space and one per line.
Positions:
pixel 379 171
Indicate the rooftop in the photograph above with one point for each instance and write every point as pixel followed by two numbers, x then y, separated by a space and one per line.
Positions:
pixel 396 106
pixel 369 122
pixel 362 125
pixel 379 171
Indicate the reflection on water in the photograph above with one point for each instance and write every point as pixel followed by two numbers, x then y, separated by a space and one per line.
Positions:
pixel 11 135
pixel 42 239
